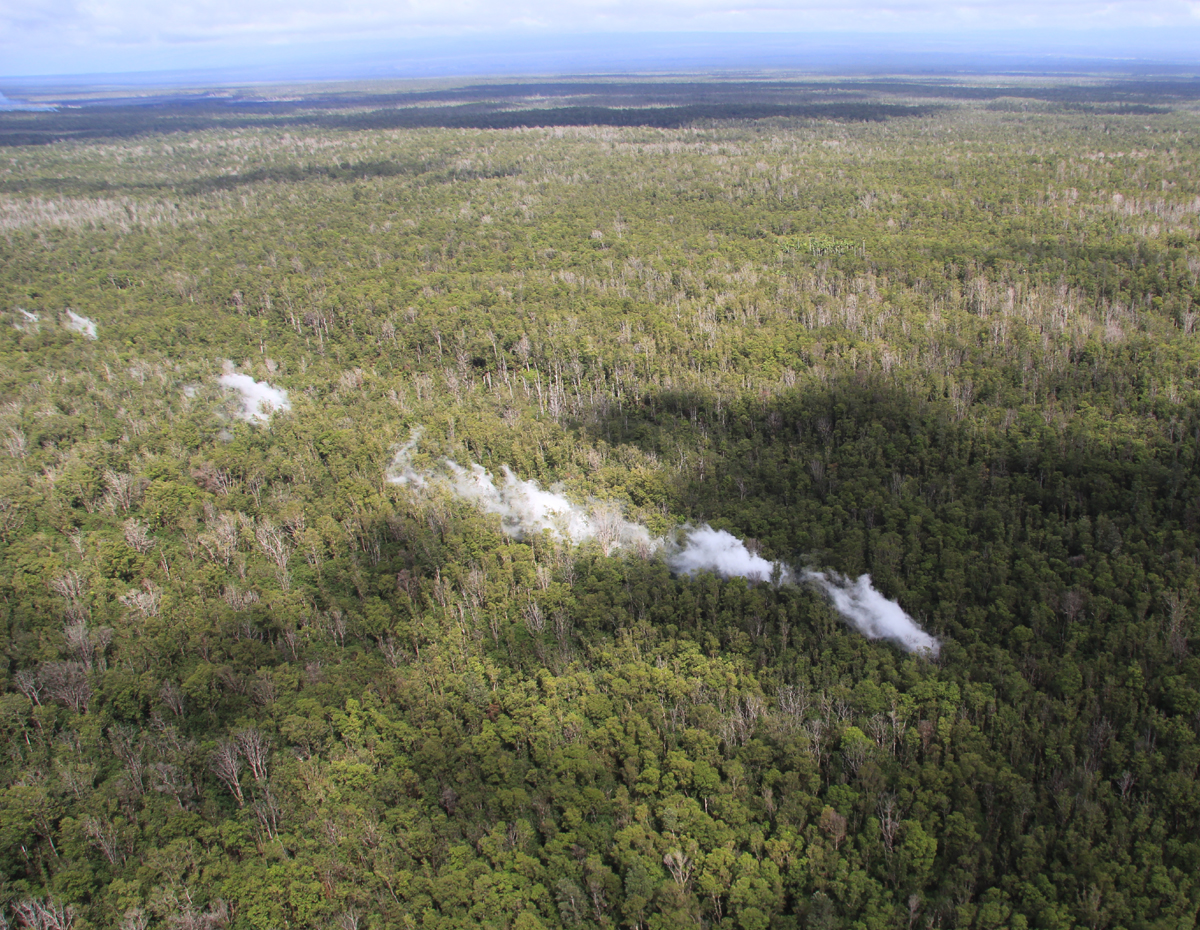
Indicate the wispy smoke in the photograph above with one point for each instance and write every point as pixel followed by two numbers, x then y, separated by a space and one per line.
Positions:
pixel 26 322
pixel 704 549
pixel 7 103
pixel 707 550
pixel 871 613
pixel 81 324
pixel 526 509
pixel 259 399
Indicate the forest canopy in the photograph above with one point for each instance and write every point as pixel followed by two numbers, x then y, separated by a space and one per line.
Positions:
pixel 941 334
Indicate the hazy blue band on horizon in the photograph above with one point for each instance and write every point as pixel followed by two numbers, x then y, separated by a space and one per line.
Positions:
pixel 1006 51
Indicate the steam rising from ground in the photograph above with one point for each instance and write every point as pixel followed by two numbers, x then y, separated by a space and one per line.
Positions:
pixel 26 322
pixel 707 550
pixel 525 509
pixel 871 613
pixel 259 399
pixel 81 324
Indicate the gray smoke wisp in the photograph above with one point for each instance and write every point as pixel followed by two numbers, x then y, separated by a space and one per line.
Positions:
pixel 81 324
pixel 259 399
pixel 526 509
pixel 704 549
pixel 871 613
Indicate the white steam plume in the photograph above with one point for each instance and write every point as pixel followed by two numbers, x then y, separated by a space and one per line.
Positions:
pixel 81 324
pixel 709 550
pixel 525 509
pixel 871 613
pixel 26 322
pixel 259 399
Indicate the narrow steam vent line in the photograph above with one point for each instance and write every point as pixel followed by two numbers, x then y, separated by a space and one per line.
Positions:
pixel 527 509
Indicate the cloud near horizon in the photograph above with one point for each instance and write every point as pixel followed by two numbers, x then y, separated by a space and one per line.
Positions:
pixel 143 31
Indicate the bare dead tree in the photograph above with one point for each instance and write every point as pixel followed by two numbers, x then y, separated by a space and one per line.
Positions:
pixel 137 536
pixel 67 682
pixel 239 600
pixel 124 491
pixel 267 812
pixel 792 703
pixel 220 537
pixel 1177 603
pixel 15 443
pixel 171 779
pixel 348 919
pixel 105 837
pixel 134 919
pixel 273 542
pixel 44 914
pixel 889 820
pixel 815 731
pixel 606 525
pixel 256 750
pixel 29 683
pixel 172 697
pixel 72 588
pixel 535 620
pixel 393 652
pixel 263 691
pixel 226 764
pixel 128 745
pixel 680 867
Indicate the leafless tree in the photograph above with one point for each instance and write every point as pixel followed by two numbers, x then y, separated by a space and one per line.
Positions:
pixel 393 652
pixel 889 820
pixel 15 443
pixel 44 914
pixel 1177 603
pixel 833 825
pixel 267 812
pixel 128 745
pixel 105 837
pixel 78 777
pixel 535 620
pixel 226 764
pixel 680 867
pixel 815 731
pixel 72 588
pixel 137 536
pixel 144 603
pixel 263 691
pixel 170 695
pixel 256 750
pixel 171 779
pixel 607 524
pixel 89 646
pixel 67 682
pixel 29 683
pixel 792 703
pixel 134 919
pixel 220 537
pixel 273 542
pixel 124 491
pixel 12 518
pixel 239 600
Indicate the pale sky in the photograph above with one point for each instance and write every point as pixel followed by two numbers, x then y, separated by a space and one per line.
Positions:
pixel 73 36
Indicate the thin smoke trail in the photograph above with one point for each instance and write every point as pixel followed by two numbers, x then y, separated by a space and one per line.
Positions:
pixel 527 509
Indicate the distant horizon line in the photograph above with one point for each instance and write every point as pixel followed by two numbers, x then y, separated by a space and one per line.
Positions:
pixel 1012 52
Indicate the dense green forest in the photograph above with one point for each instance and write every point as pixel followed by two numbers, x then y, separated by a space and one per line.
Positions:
pixel 944 333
